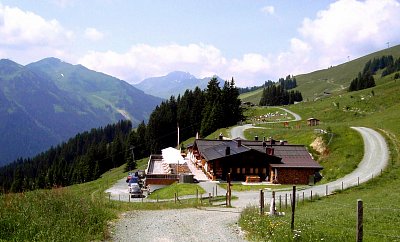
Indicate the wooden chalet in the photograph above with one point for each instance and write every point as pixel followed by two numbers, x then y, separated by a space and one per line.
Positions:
pixel 253 161
pixel 312 122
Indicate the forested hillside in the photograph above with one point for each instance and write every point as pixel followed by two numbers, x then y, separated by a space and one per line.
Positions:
pixel 89 154
pixel 81 159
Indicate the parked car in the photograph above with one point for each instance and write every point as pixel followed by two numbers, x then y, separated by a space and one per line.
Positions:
pixel 135 190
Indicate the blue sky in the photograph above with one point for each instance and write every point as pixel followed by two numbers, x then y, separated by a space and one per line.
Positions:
pixel 250 40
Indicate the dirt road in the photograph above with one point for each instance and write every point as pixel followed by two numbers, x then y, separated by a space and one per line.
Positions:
pixel 214 224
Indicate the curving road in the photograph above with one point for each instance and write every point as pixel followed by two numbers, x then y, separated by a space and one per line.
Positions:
pixel 238 131
pixel 376 158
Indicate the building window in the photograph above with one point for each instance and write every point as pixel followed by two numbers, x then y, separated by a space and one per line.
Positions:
pixel 251 170
pixel 243 170
pixel 256 170
pixel 264 171
pixel 238 170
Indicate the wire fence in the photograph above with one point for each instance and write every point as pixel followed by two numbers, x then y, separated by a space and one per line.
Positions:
pixel 329 215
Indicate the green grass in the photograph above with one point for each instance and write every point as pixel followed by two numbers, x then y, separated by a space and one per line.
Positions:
pixel 181 189
pixel 253 97
pixel 332 79
pixel 334 218
pixel 76 213
pixel 224 131
pixel 253 113
pixel 52 215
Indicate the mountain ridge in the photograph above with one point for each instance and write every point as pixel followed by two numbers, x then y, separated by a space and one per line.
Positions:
pixel 174 83
pixel 49 101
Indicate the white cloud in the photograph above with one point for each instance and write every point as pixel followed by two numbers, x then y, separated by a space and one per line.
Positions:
pixel 351 28
pixel 26 36
pixel 346 28
pixel 93 34
pixel 142 61
pixel 22 28
pixel 268 10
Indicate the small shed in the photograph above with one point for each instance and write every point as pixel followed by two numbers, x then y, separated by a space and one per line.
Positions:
pixel 312 122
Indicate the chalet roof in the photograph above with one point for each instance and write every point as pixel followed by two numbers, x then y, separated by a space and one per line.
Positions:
pixel 218 151
pixel 214 149
pixel 293 156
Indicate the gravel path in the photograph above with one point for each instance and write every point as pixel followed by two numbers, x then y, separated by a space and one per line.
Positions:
pixel 184 225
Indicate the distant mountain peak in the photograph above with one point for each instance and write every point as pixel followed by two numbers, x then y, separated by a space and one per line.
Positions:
pixel 174 83
pixel 9 67
pixel 180 75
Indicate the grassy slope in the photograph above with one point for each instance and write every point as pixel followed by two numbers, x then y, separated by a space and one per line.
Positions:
pixel 333 218
pixel 312 85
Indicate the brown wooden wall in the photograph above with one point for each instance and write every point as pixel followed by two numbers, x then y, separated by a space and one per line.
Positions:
pixel 294 175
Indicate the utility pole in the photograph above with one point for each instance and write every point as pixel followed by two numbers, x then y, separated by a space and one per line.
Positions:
pixel 178 138
pixel 133 156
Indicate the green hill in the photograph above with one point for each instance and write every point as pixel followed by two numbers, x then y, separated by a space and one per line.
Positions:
pixel 333 80
pixel 333 218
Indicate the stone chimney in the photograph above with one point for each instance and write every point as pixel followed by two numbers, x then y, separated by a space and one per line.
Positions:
pixel 227 150
pixel 269 151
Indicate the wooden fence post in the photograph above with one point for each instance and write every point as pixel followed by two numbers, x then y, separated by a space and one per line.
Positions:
pixel 358 181
pixel 360 228
pixel 209 198
pixel 197 195
pixel 272 210
pixel 303 197
pixel 175 197
pixel 261 202
pixel 311 196
pixel 129 198
pixel 285 200
pixel 293 207
pixel 228 190
pixel 342 186
pixel 216 190
pixel 326 190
